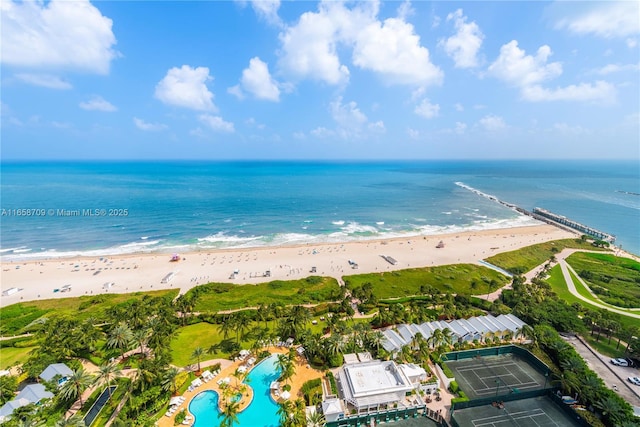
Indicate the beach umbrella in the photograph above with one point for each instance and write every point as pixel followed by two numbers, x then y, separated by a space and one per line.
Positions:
pixel 285 395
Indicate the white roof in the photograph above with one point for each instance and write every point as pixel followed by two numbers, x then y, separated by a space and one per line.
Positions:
pixel 411 370
pixel 332 406
pixel 474 327
pixel 350 358
pixel 375 377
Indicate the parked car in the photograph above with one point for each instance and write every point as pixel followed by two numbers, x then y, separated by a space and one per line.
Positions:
pixel 634 380
pixel 620 362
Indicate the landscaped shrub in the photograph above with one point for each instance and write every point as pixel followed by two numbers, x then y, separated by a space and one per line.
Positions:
pixel 332 381
pixel 447 371
pixel 454 387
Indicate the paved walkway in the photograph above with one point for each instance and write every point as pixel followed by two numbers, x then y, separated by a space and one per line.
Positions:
pixel 572 288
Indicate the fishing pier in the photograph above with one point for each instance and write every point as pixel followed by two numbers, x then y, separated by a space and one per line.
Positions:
pixel 547 215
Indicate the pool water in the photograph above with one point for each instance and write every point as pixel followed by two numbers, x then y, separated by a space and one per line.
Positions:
pixel 262 411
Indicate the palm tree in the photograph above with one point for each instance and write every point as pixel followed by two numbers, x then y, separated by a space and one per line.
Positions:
pixel 285 365
pixel 70 422
pixel 197 354
pixel 76 384
pixel 286 410
pixel 120 337
pixel 229 414
pixel 225 327
pixel 316 419
pixel 141 337
pixel 169 380
pixel 108 373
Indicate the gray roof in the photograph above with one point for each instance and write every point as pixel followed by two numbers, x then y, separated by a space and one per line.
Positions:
pixel 473 328
pixel 8 408
pixel 56 369
pixel 34 393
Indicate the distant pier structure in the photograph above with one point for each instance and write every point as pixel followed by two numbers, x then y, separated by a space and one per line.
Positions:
pixel 547 215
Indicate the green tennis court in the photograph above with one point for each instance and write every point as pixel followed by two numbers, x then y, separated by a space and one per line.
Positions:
pixel 495 375
pixel 534 412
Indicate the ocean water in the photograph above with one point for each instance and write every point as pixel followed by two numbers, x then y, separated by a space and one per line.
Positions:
pixel 103 208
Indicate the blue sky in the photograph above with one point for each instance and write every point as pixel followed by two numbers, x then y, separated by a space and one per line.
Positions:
pixel 328 80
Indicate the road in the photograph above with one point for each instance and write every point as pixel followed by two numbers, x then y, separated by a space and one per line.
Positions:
pixel 610 374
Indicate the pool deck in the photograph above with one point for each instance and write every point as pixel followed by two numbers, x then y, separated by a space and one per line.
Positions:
pixel 303 374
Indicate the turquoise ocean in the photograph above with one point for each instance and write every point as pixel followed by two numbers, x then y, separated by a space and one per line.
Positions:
pixel 57 209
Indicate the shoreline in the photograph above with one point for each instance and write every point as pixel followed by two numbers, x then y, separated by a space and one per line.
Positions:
pixel 37 279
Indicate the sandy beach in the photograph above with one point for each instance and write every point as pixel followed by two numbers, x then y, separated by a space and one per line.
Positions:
pixel 154 271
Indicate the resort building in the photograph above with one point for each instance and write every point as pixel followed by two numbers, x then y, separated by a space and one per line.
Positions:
pixel 368 386
pixel 58 372
pixel 33 393
pixel 462 330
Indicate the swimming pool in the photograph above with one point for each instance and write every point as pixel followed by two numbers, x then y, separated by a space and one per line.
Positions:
pixel 262 411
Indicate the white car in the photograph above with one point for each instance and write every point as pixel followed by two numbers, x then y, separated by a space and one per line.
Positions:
pixel 634 380
pixel 620 362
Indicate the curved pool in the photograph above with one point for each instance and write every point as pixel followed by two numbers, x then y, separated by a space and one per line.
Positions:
pixel 262 411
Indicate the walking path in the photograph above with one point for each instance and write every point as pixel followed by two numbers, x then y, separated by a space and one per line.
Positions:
pixel 572 287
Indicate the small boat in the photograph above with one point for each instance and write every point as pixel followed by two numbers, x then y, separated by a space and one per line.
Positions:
pixel 440 245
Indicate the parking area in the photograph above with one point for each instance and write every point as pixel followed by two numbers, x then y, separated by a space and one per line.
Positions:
pixel 611 375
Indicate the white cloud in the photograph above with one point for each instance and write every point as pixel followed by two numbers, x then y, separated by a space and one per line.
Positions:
pixel 58 34
pixel 463 46
pixel 405 10
pixel 519 69
pixel 459 107
pixel 44 80
pixel 390 48
pixel 309 47
pixel 351 122
pixel 413 134
pixel 427 110
pixel 631 42
pixel 267 10
pixel 605 19
pixel 186 87
pixel 347 115
pixel 257 80
pixel 492 123
pixel 567 129
pixel 616 68
pixel 97 103
pixel 217 123
pixel 322 132
pixel 528 72
pixel 460 128
pixel 600 91
pixel 299 135
pixel 150 127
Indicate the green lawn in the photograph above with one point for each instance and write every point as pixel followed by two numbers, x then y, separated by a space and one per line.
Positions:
pixel 615 280
pixel 189 337
pixel 215 297
pixel 12 356
pixel 17 316
pixel 455 278
pixel 559 286
pixel 525 259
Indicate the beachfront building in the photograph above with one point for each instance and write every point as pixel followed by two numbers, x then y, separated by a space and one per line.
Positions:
pixel 374 387
pixel 33 393
pixel 58 372
pixel 462 330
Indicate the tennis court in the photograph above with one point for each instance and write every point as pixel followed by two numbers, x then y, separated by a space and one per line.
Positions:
pixel 495 375
pixel 534 412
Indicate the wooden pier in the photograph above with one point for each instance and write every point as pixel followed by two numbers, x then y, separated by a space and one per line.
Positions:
pixel 573 224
